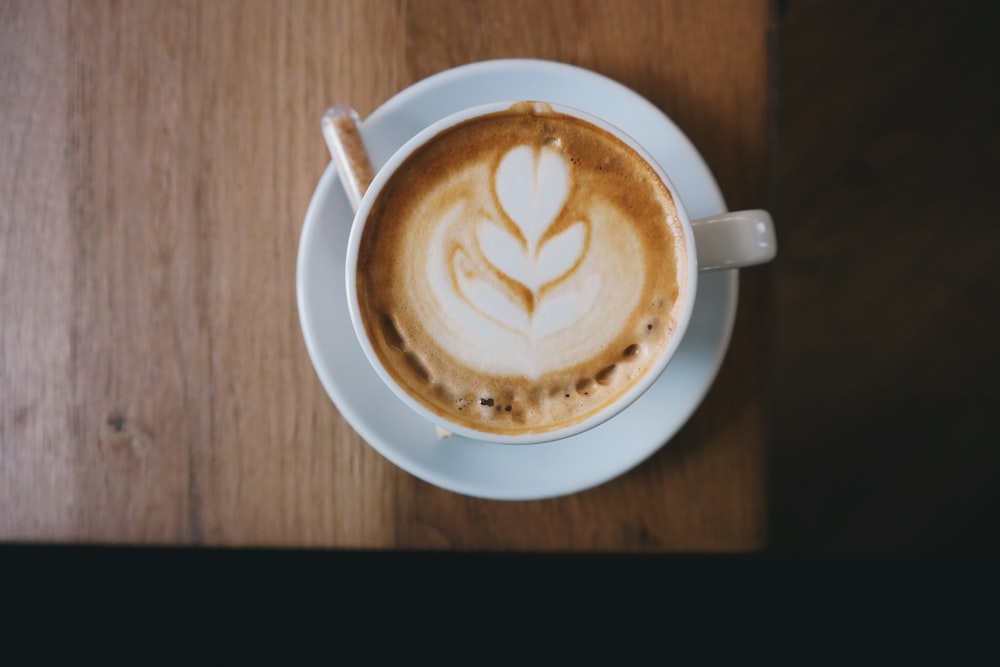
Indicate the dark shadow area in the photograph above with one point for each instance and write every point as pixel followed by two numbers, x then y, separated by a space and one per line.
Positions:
pixel 887 289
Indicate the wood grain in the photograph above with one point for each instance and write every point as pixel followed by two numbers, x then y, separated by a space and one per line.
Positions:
pixel 156 163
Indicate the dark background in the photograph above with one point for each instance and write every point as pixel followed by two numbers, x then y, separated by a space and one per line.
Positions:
pixel 887 282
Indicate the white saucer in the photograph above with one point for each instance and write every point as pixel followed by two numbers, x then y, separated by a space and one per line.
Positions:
pixel 489 470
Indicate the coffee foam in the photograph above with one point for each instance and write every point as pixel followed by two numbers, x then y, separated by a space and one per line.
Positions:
pixel 520 271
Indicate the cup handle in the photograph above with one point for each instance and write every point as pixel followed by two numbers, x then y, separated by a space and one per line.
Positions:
pixel 734 240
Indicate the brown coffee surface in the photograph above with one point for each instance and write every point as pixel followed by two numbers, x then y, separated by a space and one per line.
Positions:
pixel 521 271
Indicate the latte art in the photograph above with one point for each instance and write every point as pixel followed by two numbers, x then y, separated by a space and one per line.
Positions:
pixel 511 287
pixel 520 271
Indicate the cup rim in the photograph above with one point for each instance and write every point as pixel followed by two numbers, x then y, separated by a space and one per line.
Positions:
pixel 385 173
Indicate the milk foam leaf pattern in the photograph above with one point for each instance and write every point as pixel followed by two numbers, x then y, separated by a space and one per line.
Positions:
pixel 504 251
pixel 487 298
pixel 559 254
pixel 532 186
pixel 555 310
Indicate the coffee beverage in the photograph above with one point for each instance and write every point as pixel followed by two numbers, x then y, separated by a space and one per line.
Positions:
pixel 521 271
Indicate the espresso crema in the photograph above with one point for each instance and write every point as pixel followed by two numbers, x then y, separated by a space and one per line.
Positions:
pixel 521 271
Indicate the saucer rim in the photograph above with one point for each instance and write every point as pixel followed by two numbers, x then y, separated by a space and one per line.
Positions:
pixel 728 300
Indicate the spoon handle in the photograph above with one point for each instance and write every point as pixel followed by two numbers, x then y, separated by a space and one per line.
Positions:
pixel 340 129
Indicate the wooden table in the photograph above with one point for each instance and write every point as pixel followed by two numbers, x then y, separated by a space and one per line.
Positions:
pixel 156 162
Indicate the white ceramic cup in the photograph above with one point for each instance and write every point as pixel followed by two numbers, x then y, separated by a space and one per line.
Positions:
pixel 721 242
